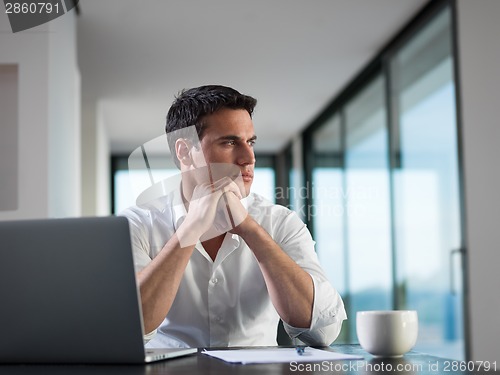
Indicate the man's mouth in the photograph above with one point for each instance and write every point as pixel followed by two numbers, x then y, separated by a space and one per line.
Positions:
pixel 247 177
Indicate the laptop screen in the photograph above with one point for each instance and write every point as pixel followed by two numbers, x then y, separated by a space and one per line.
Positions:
pixel 68 292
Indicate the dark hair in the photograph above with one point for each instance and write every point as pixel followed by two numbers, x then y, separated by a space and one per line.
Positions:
pixel 191 106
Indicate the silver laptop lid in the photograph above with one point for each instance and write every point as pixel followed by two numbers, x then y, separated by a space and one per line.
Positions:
pixel 68 292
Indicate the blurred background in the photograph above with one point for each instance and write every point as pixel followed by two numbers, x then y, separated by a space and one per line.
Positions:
pixel 376 122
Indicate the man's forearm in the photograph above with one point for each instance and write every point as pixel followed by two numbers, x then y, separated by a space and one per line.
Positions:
pixel 160 280
pixel 291 288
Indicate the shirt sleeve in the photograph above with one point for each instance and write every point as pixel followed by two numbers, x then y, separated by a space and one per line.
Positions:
pixel 139 237
pixel 140 247
pixel 328 307
pixel 148 336
pixel 327 317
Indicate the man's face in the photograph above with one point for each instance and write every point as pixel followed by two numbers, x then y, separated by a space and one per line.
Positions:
pixel 228 138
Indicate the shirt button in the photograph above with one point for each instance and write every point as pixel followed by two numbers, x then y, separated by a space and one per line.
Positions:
pixel 214 280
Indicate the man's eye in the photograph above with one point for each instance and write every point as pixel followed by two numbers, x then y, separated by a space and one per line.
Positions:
pixel 251 143
pixel 230 143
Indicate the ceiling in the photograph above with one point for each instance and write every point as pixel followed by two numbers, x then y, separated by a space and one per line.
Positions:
pixel 294 56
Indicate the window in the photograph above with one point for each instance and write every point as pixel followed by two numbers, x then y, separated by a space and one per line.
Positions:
pixel 367 220
pixel 426 190
pixel 131 177
pixel 328 206
pixel 388 144
pixel 264 181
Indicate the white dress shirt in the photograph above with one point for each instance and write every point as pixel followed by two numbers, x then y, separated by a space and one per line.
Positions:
pixel 225 302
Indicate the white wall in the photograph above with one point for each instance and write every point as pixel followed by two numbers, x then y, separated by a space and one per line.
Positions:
pixel 48 129
pixel 297 174
pixel 64 119
pixel 479 63
pixel 103 167
pixel 9 78
pixel 95 163
pixel 30 52
pixel 89 159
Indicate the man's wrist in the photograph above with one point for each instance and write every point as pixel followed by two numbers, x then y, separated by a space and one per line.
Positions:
pixel 247 227
pixel 187 235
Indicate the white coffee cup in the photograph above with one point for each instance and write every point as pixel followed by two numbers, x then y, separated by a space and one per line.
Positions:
pixel 387 333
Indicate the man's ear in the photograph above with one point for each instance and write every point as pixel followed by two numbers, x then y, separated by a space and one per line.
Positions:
pixel 182 148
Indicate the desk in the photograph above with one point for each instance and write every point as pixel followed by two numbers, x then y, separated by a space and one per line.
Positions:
pixel 411 364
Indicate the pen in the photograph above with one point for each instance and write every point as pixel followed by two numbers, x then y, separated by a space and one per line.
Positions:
pixel 300 350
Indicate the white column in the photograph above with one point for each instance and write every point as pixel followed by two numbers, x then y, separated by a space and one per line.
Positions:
pixel 479 74
pixel 48 130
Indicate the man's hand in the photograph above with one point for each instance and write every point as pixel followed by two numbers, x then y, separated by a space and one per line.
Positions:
pixel 209 212
pixel 238 213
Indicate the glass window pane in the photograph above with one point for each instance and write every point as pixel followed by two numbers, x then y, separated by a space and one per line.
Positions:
pixel 327 213
pixel 327 208
pixel 125 191
pixel 426 189
pixel 264 183
pixel 367 188
pixel 129 183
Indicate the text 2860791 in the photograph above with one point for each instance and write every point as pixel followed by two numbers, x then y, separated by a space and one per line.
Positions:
pixel 32 8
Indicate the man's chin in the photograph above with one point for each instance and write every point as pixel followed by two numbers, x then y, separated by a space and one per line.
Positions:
pixel 247 190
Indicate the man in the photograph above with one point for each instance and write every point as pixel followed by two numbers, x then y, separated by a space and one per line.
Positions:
pixel 218 266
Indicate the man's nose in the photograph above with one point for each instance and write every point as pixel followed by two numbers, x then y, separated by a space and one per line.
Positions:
pixel 246 155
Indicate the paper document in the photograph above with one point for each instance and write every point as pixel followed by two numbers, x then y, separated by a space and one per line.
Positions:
pixel 276 355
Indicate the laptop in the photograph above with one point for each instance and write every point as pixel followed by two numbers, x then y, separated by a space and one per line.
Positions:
pixel 68 294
